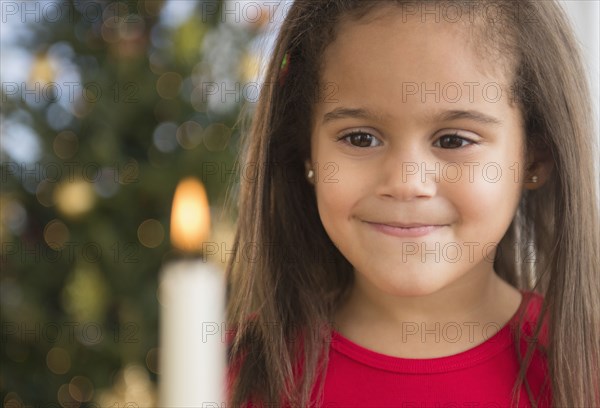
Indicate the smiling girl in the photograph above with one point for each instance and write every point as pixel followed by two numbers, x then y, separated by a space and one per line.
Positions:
pixel 425 226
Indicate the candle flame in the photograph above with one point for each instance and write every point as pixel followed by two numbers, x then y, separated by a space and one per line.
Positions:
pixel 190 216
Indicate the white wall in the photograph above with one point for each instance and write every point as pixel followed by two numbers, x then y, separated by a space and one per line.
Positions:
pixel 585 15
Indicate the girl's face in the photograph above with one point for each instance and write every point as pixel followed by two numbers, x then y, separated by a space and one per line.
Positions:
pixel 414 128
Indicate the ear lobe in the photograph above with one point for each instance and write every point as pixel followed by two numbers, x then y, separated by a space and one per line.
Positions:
pixel 540 165
pixel 307 166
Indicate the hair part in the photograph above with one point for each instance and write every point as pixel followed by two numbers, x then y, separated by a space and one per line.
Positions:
pixel 282 298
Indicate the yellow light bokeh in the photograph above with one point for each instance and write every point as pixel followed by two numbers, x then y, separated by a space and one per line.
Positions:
pixel 56 234
pixel 132 383
pixel 74 198
pixel 189 134
pixel 152 7
pixel 151 233
pixel 216 137
pixel 13 400
pixel 81 389
pixel 65 144
pixel 58 360
pixel 44 193
pixel 85 295
pixel 168 85
pixel 42 72
pixel 65 399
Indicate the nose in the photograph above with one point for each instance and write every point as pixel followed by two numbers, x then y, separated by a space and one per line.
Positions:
pixel 408 176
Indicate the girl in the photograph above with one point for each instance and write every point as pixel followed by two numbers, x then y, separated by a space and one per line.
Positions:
pixel 423 223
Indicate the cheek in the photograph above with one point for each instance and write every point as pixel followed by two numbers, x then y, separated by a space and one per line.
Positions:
pixel 335 186
pixel 334 200
pixel 486 203
pixel 338 194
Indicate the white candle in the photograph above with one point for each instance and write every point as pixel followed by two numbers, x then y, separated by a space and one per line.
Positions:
pixel 192 365
pixel 192 362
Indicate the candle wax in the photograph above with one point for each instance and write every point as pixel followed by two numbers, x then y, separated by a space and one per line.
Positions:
pixel 192 336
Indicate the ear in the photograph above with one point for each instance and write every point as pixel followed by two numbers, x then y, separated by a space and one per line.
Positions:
pixel 307 165
pixel 540 163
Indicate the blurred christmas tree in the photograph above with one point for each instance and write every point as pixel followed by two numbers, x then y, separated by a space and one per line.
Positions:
pixel 105 106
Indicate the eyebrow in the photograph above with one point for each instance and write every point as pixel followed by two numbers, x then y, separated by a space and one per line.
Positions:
pixel 361 113
pixel 343 113
pixel 475 116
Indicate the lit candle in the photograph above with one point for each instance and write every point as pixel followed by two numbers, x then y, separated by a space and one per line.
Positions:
pixel 192 295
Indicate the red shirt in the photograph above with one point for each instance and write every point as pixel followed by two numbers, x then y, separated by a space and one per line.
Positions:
pixel 482 376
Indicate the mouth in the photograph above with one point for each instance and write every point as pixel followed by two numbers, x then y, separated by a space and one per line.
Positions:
pixel 411 230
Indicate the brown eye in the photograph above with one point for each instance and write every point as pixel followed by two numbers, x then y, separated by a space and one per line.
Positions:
pixel 359 139
pixel 453 142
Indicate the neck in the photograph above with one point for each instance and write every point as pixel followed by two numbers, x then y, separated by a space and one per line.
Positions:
pixel 374 319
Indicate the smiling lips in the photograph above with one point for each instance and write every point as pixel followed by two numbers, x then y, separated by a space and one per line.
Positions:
pixel 412 230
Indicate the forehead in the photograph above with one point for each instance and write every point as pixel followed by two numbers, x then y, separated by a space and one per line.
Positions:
pixel 387 31
pixel 385 56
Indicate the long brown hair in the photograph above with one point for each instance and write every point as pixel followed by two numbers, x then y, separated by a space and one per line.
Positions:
pixel 286 277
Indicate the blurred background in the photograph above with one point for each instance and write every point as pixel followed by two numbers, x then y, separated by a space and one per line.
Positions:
pixel 106 105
